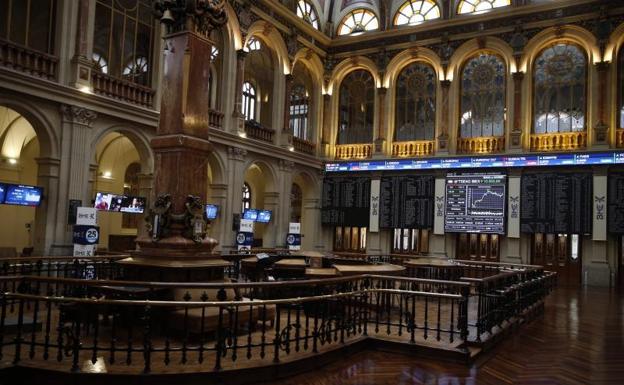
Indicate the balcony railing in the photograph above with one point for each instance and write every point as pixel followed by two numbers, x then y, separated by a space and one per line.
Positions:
pixel 354 151
pixel 619 137
pixel 302 145
pixel 27 60
pixel 122 90
pixel 257 131
pixel 412 148
pixel 481 145
pixel 215 119
pixel 559 141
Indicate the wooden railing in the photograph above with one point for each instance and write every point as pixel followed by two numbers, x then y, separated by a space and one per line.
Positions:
pixel 413 148
pixel 257 131
pixel 559 141
pixel 302 145
pixel 27 60
pixel 481 145
pixel 122 90
pixel 215 119
pixel 619 137
pixel 354 151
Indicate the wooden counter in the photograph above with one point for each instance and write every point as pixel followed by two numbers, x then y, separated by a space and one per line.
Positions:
pixel 382 269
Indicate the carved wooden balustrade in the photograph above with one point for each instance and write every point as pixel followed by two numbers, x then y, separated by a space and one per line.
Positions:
pixel 302 145
pixel 619 137
pixel 215 119
pixel 257 131
pixel 122 90
pixel 27 60
pixel 354 151
pixel 481 145
pixel 559 141
pixel 413 148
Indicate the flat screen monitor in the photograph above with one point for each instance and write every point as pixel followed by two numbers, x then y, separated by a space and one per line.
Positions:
pixel 132 205
pixel 250 214
pixel 475 203
pixel 264 216
pixel 119 203
pixel 212 211
pixel 2 192
pixel 22 195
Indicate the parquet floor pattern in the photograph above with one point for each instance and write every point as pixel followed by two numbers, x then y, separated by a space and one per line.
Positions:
pixel 579 340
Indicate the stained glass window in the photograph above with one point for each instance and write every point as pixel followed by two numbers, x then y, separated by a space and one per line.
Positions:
pixel 100 63
pixel 307 13
pixel 417 11
pixel 299 106
pixel 124 36
pixel 357 108
pixel 249 101
pixel 559 81
pixel 621 85
pixel 476 6
pixel 415 103
pixel 358 21
pixel 483 96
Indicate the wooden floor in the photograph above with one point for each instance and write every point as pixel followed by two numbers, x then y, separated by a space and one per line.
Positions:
pixel 579 340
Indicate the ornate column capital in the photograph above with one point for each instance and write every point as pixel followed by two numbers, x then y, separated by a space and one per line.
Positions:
pixel 191 15
pixel 79 115
pixel 445 83
pixel 237 153
pixel 241 54
pixel 286 165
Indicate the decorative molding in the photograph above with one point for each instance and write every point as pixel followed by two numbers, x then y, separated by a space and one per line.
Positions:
pixel 78 115
pixel 286 165
pixel 237 153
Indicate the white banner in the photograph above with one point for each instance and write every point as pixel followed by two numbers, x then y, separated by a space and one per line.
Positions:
pixel 86 216
pixel 600 208
pixel 438 208
pixel 373 225
pixel 513 208
pixel 294 228
pixel 246 226
pixel 84 250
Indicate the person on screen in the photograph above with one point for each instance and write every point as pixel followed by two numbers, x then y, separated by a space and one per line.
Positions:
pixel 116 204
pixel 100 203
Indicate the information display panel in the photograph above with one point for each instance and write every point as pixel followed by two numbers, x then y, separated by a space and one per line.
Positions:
pixel 475 203
pixel 345 201
pixel 2 192
pixel 406 202
pixel 556 203
pixel 212 211
pixel 615 205
pixel 22 195
pixel 119 203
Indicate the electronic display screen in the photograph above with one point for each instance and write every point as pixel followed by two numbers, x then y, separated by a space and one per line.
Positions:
pixel 2 192
pixel 22 195
pixel 119 203
pixel 264 216
pixel 475 203
pixel 489 161
pixel 250 214
pixel 212 211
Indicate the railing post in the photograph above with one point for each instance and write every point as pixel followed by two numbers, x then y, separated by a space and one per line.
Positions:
pixel 463 314
pixel 276 341
pixel 18 336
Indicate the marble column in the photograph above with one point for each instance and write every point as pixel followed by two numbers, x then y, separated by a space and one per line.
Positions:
pixel 443 137
pixel 218 227
pixel 46 218
pixel 380 140
pixel 238 116
pixel 601 128
pixel 81 62
pixel 326 127
pixel 311 225
pixel 235 180
pixel 515 137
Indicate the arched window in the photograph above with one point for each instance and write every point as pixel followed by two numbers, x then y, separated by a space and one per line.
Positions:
pixel 358 21
pixel 559 82
pixel 476 6
pixel 100 63
pixel 214 53
pixel 124 35
pixel 299 107
pixel 29 23
pixel 253 44
pixel 357 108
pixel 415 103
pixel 483 97
pixel 306 11
pixel 246 202
pixel 621 85
pixel 416 11
pixel 296 203
pixel 249 101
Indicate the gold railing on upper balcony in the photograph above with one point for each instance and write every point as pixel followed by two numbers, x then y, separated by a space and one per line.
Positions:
pixel 413 148
pixel 302 145
pixel 481 145
pixel 122 90
pixel 27 60
pixel 559 141
pixel 257 131
pixel 215 119
pixel 619 137
pixel 354 151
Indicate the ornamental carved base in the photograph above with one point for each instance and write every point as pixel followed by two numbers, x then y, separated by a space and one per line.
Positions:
pixel 601 131
pixel 515 139
pixel 443 142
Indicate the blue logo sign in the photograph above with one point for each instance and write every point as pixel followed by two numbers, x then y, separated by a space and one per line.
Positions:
pixel 293 239
pixel 86 235
pixel 244 239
